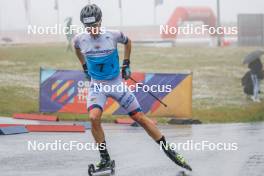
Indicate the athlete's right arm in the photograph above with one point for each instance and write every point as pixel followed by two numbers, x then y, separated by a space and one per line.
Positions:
pixel 76 45
pixel 81 58
pixel 80 55
pixel 82 61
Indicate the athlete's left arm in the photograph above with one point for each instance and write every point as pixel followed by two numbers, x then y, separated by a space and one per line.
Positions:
pixel 126 62
pixel 127 49
pixel 121 38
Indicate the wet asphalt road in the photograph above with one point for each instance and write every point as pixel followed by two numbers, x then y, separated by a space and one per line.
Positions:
pixel 136 154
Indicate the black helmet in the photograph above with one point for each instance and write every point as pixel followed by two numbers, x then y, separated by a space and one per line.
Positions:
pixel 90 15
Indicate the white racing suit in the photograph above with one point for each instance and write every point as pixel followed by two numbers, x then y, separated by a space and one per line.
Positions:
pixel 102 60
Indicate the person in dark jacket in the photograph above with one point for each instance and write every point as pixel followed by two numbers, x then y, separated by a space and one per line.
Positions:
pixel 256 76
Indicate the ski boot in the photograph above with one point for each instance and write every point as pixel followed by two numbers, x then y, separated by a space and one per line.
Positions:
pixel 177 158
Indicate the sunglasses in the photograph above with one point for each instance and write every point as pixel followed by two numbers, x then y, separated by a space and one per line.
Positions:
pixel 93 24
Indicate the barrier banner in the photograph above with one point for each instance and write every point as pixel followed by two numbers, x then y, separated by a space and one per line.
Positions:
pixel 66 91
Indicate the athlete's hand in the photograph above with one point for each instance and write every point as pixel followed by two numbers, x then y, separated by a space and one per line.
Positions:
pixel 126 73
pixel 85 70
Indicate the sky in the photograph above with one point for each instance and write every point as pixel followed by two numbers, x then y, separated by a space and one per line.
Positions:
pixel 134 12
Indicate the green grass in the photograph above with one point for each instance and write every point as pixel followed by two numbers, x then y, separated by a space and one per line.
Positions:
pixel 217 92
pixel 106 119
pixel 251 113
pixel 17 99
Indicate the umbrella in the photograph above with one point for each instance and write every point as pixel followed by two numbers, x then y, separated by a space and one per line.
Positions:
pixel 253 56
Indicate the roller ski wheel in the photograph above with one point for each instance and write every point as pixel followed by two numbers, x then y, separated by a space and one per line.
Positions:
pixel 113 167
pixel 92 169
pixel 182 173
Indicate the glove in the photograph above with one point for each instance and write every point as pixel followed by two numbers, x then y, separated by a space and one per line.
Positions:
pixel 126 73
pixel 85 71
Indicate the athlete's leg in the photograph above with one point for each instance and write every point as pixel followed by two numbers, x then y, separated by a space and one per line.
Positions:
pixel 98 134
pixel 154 132
pixel 97 130
pixel 148 125
pixel 129 102
pixel 95 104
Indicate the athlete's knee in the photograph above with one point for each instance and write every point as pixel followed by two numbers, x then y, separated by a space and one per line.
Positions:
pixel 95 119
pixel 142 119
pixel 95 115
pixel 138 117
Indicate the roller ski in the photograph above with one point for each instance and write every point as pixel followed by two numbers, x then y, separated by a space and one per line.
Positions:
pixel 104 166
pixel 177 158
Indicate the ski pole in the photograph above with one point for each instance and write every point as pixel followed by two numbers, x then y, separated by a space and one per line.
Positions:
pixel 150 93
